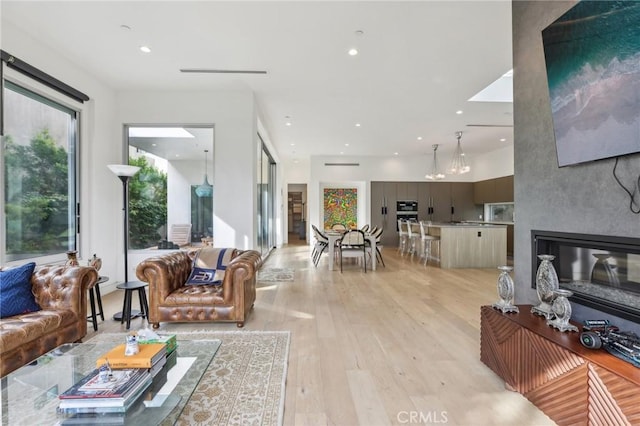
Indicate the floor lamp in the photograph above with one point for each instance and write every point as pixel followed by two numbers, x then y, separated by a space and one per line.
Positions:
pixel 124 172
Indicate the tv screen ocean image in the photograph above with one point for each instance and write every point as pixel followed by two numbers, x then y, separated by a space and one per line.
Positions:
pixel 592 55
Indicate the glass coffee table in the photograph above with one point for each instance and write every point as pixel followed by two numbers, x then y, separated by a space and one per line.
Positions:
pixel 30 394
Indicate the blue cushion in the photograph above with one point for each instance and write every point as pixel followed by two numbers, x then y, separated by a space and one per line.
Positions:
pixel 15 291
pixel 209 266
pixel 202 276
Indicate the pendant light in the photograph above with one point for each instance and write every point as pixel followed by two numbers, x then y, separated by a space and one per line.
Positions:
pixel 435 173
pixel 205 189
pixel 458 162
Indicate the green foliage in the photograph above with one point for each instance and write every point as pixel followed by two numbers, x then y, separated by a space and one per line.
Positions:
pixel 37 198
pixel 147 204
pixel 36 195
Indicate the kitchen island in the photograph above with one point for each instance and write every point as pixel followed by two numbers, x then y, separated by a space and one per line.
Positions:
pixel 471 245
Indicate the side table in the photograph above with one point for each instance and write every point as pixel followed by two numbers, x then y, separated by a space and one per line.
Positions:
pixel 129 287
pixel 92 301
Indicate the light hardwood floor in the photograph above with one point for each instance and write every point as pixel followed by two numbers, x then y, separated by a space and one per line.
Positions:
pixel 397 346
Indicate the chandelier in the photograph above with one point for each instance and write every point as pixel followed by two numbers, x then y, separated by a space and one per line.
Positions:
pixel 458 162
pixel 435 173
pixel 205 189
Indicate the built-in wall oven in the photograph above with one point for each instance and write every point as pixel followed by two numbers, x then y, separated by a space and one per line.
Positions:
pixel 407 210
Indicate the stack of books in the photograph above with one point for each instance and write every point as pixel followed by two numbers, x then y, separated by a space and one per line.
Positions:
pixel 129 377
pixel 92 395
pixel 148 357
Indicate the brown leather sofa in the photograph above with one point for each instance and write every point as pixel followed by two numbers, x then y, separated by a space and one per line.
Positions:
pixel 61 293
pixel 170 300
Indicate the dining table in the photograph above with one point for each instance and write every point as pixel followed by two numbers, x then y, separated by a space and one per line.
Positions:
pixel 334 236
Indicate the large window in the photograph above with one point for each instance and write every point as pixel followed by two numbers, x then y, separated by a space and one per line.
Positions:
pixel 39 153
pixel 172 186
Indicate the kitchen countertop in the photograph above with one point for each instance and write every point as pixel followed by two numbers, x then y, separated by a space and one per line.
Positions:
pixel 467 225
pixel 496 222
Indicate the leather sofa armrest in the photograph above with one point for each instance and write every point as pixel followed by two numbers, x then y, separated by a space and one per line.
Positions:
pixel 242 267
pixel 164 274
pixel 63 287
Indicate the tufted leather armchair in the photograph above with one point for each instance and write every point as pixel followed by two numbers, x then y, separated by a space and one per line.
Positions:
pixel 170 300
pixel 61 293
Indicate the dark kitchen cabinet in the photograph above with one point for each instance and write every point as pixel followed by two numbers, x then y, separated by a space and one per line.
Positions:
pixel 440 201
pixel 462 202
pixel 499 190
pixel 383 210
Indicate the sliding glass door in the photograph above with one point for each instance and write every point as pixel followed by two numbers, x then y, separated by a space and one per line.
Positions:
pixel 266 199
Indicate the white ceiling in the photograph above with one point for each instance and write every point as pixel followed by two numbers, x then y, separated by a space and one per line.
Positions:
pixel 419 62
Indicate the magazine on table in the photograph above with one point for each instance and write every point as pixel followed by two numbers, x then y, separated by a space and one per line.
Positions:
pixel 106 405
pixel 118 384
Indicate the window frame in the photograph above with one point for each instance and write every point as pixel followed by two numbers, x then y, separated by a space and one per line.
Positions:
pixel 53 99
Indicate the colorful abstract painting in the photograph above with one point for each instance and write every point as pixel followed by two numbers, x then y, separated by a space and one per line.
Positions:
pixel 341 206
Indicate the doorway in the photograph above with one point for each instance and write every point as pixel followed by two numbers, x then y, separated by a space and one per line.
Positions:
pixel 297 214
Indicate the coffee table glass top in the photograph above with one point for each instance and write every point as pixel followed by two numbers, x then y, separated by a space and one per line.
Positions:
pixel 30 394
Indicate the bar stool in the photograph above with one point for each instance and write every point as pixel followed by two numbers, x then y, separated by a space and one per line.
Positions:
pixel 427 242
pixel 403 237
pixel 129 287
pixel 92 301
pixel 411 238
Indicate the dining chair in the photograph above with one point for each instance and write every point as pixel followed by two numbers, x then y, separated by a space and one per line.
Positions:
pixel 365 228
pixel 338 227
pixel 353 244
pixel 378 237
pixel 321 244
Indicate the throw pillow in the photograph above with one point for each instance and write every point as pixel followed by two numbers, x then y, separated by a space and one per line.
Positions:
pixel 15 291
pixel 209 266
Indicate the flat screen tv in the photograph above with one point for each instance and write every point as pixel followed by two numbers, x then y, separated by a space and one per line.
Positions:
pixel 592 55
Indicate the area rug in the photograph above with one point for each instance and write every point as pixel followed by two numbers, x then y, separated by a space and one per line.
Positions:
pixel 245 382
pixel 270 275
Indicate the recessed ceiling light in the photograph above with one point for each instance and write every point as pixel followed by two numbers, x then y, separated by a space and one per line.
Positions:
pixel 419 138
pixel 503 140
pixel 346 144
pixel 154 144
pixel 295 161
pixel 288 123
pixel 459 112
pixel 353 52
pixel 395 153
pixel 145 49
pixel 293 144
pixel 341 152
pixel 357 124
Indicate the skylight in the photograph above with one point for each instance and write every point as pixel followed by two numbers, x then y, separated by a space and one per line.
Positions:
pixel 159 132
pixel 500 90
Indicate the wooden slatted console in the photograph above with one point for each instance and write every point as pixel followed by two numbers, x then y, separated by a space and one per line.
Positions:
pixel 571 384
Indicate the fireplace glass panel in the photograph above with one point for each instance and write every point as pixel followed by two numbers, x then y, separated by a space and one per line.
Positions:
pixel 603 272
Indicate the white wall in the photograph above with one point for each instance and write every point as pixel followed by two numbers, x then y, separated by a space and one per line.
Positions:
pixel 180 176
pixel 100 190
pixel 235 118
pixel 494 164
pixel 232 114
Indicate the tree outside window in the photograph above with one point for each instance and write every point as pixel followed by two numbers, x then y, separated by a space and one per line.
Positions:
pixel 147 205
